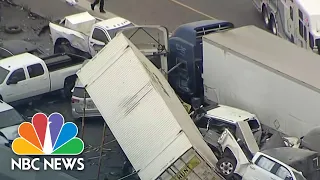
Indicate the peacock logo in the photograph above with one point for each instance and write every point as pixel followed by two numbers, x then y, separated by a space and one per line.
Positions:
pixel 48 136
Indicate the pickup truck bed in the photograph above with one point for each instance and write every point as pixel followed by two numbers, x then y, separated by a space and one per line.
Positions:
pixel 59 61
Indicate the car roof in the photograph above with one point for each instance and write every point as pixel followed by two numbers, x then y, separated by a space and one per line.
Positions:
pixel 78 84
pixel 4 106
pixel 113 23
pixel 18 46
pixel 229 113
pixel 20 60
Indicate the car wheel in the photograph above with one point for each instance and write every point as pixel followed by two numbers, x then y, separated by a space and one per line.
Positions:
pixel 273 26
pixel 265 17
pixel 68 85
pixel 226 166
pixel 64 47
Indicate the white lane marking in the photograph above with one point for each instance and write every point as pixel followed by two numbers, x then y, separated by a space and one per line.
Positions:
pixel 192 9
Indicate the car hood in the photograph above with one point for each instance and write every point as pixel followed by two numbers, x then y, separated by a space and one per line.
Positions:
pixel 10 132
pixel 18 46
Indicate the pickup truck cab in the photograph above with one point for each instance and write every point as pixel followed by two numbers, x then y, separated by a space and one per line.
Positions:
pixel 25 76
pixel 260 166
pixel 84 34
pixel 219 117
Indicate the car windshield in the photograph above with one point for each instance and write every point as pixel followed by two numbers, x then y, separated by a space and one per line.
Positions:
pixel 10 118
pixel 253 123
pixel 80 92
pixel 3 74
pixel 298 176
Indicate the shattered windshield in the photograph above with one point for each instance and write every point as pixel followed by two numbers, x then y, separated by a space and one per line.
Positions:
pixel 3 74
pixel 10 118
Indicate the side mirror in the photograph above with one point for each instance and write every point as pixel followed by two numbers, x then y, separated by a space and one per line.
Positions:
pixel 13 80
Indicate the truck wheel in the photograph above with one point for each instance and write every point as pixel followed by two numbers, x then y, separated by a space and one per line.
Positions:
pixel 68 85
pixel 226 166
pixel 64 47
pixel 273 26
pixel 265 17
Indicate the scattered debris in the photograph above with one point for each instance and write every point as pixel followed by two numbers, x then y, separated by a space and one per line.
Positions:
pixel 12 29
pixel 19 23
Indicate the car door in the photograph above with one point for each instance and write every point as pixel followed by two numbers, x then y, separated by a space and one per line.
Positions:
pixel 261 169
pixel 38 81
pixel 16 91
pixel 99 38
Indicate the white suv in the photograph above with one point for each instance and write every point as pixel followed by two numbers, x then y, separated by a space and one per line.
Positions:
pixel 79 94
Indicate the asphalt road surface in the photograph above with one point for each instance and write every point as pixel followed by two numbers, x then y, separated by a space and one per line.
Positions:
pixel 172 13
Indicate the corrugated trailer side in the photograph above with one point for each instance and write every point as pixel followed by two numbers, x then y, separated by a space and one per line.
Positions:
pixel 256 71
pixel 144 114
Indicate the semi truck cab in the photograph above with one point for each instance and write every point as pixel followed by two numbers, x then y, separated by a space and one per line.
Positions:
pixel 185 56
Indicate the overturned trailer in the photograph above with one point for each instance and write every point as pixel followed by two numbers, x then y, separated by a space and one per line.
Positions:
pixel 145 115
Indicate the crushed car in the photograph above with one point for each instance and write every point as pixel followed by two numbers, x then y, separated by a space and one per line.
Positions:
pixel 10 48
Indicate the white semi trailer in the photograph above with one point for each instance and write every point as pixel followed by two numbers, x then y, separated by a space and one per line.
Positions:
pixel 254 70
pixel 145 115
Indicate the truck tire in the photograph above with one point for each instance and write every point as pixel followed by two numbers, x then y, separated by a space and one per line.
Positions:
pixel 13 29
pixel 273 25
pixel 265 17
pixel 64 46
pixel 226 167
pixel 69 83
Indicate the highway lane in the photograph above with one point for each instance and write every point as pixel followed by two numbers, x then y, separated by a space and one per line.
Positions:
pixel 172 13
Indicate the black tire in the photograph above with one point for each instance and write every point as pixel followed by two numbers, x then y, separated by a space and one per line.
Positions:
pixel 64 47
pixel 226 167
pixel 13 29
pixel 69 83
pixel 265 17
pixel 273 26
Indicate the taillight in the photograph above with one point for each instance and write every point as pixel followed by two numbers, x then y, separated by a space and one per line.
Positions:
pixel 74 100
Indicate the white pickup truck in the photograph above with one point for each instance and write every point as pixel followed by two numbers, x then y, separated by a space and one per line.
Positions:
pixel 27 76
pixel 84 34
pixel 237 163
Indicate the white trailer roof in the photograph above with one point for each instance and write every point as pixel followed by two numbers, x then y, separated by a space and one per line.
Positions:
pixel 140 108
pixel 272 52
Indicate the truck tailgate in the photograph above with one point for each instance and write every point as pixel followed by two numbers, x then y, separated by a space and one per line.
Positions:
pixel 141 109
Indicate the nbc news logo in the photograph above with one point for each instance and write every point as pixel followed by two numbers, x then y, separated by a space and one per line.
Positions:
pixel 48 136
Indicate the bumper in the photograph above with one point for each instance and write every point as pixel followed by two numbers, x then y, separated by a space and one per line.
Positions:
pixel 89 113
